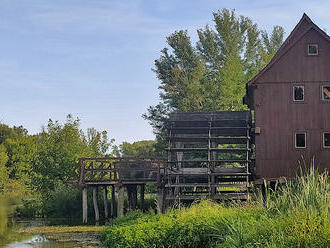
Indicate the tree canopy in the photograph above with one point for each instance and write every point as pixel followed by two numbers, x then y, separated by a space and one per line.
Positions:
pixel 34 164
pixel 138 149
pixel 211 74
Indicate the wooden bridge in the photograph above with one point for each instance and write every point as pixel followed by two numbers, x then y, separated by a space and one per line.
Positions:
pixel 120 174
pixel 209 155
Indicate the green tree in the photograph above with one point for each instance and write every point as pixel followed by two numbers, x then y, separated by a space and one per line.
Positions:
pixel 59 147
pixel 211 75
pixel 21 154
pixel 139 149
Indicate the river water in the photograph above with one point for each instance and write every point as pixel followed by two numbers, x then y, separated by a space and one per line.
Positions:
pixel 41 242
pixel 10 237
pixel 51 240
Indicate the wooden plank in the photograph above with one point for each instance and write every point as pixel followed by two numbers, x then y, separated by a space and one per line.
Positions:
pixel 238 196
pixel 84 205
pixel 209 116
pixel 230 170
pixel 120 204
pixel 241 161
pixel 200 139
pixel 190 171
pixel 151 181
pixel 113 201
pixel 224 150
pixel 217 185
pixel 96 207
pixel 105 202
pixel 142 191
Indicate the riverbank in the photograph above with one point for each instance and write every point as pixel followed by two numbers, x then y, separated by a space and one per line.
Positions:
pixel 296 214
pixel 76 236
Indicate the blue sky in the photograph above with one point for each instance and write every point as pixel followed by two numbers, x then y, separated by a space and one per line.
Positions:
pixel 94 58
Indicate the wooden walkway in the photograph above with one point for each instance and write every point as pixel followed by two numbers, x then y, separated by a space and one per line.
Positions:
pixel 122 175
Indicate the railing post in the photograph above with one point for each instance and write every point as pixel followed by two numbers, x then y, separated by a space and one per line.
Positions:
pixel 82 172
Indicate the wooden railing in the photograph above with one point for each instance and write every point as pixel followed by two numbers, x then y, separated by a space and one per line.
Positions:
pixel 108 171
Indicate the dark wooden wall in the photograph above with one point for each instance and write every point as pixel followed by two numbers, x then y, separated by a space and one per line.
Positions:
pixel 279 117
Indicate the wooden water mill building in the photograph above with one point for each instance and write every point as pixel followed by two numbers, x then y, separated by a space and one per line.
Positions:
pixel 290 98
pixel 219 155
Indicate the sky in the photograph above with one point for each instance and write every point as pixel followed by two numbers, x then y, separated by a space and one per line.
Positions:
pixel 94 58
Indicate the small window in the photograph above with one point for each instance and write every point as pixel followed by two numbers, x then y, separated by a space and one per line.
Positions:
pixel 300 140
pixel 298 93
pixel 326 92
pixel 313 49
pixel 326 140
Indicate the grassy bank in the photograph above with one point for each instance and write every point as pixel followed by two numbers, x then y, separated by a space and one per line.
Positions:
pixel 296 215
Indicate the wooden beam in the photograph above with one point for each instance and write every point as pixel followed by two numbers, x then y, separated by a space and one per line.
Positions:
pixel 142 189
pixel 113 201
pixel 96 208
pixel 161 200
pixel 84 204
pixel 132 196
pixel 105 202
pixel 120 205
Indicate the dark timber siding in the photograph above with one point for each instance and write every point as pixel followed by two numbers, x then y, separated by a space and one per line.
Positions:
pixel 279 117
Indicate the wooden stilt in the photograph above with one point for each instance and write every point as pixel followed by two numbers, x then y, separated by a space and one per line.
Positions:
pixel 96 208
pixel 105 203
pixel 161 200
pixel 132 196
pixel 142 189
pixel 129 197
pixel 84 204
pixel 113 201
pixel 120 205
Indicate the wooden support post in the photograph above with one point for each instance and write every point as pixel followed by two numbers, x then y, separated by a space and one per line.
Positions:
pixel 132 196
pixel 113 201
pixel 120 205
pixel 142 189
pixel 84 204
pixel 105 203
pixel 160 200
pixel 96 208
pixel 212 167
pixel 179 156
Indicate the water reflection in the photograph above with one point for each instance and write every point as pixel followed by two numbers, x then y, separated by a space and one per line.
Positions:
pixel 41 242
pixel 10 238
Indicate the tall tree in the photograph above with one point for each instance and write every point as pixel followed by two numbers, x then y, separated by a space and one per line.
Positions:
pixel 139 149
pixel 211 75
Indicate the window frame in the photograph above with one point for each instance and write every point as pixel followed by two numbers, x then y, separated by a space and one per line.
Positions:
pixel 295 139
pixel 317 50
pixel 323 140
pixel 322 94
pixel 293 93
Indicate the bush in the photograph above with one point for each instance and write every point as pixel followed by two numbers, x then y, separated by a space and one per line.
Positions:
pixel 29 208
pixel 296 215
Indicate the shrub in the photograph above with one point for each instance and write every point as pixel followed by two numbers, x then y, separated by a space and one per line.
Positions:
pixel 296 215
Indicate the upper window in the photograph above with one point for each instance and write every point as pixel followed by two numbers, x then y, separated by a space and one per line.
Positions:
pixel 300 140
pixel 326 92
pixel 313 49
pixel 298 93
pixel 326 140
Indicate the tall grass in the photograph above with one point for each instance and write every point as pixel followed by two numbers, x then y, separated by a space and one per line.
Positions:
pixel 296 215
pixel 309 193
